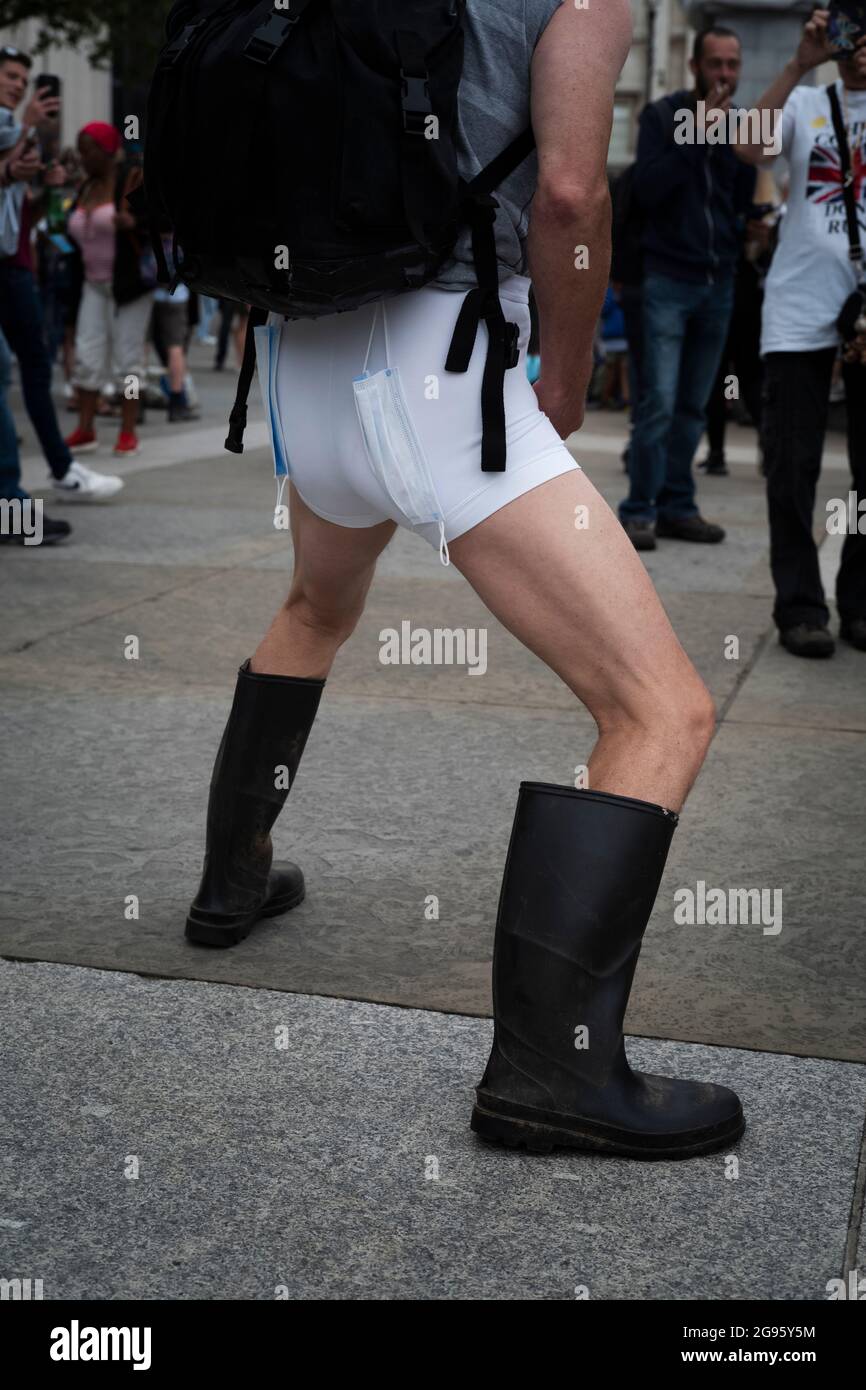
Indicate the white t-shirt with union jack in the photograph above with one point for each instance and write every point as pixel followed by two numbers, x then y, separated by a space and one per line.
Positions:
pixel 812 275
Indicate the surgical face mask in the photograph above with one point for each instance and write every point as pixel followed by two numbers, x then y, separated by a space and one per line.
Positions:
pixel 267 339
pixel 394 450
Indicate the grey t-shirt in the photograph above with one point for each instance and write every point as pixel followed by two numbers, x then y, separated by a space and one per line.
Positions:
pixel 493 108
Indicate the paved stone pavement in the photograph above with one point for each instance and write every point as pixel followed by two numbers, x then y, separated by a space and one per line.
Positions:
pixel 319 1176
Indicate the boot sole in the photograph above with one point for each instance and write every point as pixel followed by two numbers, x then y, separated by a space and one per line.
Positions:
pixel 535 1137
pixel 209 934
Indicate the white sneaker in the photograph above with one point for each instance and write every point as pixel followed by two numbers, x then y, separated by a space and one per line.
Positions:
pixel 80 484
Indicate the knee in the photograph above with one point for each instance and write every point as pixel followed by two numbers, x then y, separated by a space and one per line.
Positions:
pixel 678 719
pixel 687 722
pixel 332 622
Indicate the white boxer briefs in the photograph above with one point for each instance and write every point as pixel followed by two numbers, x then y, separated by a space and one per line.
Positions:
pixel 369 426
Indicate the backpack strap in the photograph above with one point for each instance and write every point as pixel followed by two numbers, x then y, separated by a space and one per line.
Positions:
pixel 414 145
pixel 266 40
pixel 238 419
pixel 855 249
pixel 484 303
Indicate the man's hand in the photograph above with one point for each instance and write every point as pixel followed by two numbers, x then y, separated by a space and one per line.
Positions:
pixel 759 234
pixel 24 167
pixel 718 98
pixel 815 47
pixel 564 403
pixel 41 108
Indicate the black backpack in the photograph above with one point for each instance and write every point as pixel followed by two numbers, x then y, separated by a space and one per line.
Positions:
pixel 305 158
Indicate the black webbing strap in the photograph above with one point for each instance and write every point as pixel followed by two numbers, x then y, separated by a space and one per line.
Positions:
pixel 484 303
pixel 238 418
pixel 504 164
pixel 414 145
pixel 260 48
pixel 855 249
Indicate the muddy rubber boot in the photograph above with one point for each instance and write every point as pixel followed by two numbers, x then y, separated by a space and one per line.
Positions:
pixel 581 877
pixel 255 767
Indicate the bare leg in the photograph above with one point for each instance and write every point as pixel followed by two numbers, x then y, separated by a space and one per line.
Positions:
pixel 128 415
pixel 334 568
pixel 87 403
pixel 176 368
pixel 583 602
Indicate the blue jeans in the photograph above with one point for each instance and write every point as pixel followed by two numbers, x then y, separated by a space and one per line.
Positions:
pixel 685 331
pixel 10 465
pixel 21 322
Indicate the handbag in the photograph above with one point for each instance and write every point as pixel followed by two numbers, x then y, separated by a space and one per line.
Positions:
pixel 852 320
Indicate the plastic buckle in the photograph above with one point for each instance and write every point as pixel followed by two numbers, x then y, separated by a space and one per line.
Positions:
pixel 415 100
pixel 855 254
pixel 176 47
pixel 269 38
pixel 512 350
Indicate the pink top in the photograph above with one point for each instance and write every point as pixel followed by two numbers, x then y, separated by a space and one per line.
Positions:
pixel 94 231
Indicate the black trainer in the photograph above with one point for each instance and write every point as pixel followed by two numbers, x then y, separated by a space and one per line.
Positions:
pixel 853 630
pixel 808 639
pixel 715 464
pixel 52 532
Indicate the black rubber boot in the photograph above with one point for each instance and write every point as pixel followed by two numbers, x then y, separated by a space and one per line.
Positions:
pixel 581 877
pixel 261 748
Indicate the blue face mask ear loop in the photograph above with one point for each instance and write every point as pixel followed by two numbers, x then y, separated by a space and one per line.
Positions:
pixel 281 487
pixel 364 371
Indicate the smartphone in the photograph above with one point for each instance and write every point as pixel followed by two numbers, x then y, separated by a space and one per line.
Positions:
pixel 847 24
pixel 48 85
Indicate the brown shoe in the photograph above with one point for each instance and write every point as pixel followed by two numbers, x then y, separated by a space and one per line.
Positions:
pixel 689 528
pixel 642 534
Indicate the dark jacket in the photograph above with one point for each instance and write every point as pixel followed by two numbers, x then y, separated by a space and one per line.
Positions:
pixel 127 283
pixel 694 199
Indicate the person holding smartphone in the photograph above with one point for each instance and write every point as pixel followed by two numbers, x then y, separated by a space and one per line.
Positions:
pixel 20 305
pixel 811 278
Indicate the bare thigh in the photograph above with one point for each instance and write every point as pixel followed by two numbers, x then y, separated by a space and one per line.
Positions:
pixel 580 599
pixel 333 570
pixel 334 565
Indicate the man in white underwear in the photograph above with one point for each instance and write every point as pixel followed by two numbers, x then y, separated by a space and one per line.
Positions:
pixel 361 458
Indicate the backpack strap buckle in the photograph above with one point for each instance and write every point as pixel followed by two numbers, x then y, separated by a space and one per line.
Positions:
pixel 171 54
pixel 415 100
pixel 268 39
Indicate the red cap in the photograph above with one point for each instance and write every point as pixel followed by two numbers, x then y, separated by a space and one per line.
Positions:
pixel 107 136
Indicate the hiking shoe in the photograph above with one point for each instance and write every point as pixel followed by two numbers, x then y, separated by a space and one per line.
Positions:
pixel 642 534
pixel 689 528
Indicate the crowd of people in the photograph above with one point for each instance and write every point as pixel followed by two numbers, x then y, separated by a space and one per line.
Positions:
pixel 724 297
pixel 79 291
pixel 731 297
